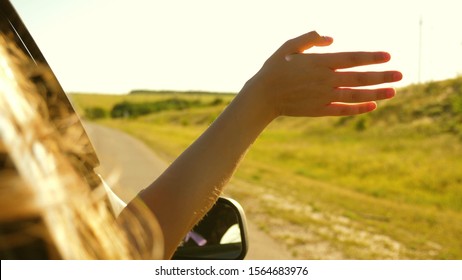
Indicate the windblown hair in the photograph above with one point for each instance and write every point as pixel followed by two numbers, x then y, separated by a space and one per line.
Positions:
pixel 49 192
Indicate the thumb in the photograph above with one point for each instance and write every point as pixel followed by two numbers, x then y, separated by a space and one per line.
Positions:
pixel 304 42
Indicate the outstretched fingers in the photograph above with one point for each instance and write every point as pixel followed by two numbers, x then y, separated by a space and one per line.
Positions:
pixel 304 42
pixel 345 109
pixel 359 79
pixel 345 60
pixel 316 84
pixel 348 95
pixel 347 101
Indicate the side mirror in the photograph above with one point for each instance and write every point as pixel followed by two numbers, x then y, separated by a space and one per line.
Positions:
pixel 220 235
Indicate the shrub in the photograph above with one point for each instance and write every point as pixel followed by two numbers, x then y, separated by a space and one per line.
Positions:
pixel 121 110
pixel 129 109
pixel 94 113
pixel 456 102
pixel 217 101
pixel 361 124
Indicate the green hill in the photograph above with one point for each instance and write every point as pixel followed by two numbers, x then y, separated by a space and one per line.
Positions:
pixel 383 185
pixel 433 108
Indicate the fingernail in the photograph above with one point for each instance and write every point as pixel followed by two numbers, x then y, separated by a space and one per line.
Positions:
pixel 327 38
pixel 397 76
pixel 371 106
pixel 383 56
pixel 386 56
pixel 390 92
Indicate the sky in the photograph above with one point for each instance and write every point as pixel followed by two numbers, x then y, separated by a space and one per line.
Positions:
pixel 114 46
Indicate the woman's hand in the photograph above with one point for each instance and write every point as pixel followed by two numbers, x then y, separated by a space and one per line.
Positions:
pixel 294 83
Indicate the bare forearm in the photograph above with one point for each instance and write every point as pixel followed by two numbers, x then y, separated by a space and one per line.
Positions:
pixel 189 187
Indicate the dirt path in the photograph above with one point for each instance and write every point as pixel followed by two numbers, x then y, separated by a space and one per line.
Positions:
pixel 129 166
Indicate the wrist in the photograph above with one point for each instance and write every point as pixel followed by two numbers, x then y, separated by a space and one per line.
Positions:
pixel 259 101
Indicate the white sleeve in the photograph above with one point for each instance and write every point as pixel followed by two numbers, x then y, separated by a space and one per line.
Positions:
pixel 117 204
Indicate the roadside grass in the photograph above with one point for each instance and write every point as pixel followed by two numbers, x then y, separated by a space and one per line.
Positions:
pixel 411 194
pixel 382 186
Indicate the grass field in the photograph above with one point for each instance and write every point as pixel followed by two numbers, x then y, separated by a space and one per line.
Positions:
pixel 387 185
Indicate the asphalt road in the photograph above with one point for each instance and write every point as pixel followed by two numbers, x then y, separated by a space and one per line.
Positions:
pixel 128 165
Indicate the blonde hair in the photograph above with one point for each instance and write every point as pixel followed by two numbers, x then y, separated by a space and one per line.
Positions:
pixel 45 171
